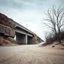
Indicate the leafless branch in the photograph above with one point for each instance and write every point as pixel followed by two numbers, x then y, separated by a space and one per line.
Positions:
pixel 48 25
pixel 55 17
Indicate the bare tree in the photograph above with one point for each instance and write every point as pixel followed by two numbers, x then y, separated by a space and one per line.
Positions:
pixel 56 18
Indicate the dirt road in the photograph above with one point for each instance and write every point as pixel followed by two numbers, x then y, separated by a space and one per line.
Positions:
pixel 30 54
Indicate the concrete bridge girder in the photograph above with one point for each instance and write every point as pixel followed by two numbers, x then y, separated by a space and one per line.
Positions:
pixel 23 32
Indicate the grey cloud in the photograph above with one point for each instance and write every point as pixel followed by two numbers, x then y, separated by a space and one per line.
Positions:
pixel 28 4
pixel 11 3
pixel 21 3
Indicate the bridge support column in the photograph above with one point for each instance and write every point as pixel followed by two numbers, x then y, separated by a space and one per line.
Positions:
pixel 26 40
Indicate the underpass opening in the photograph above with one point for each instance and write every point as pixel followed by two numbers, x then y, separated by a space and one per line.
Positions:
pixel 30 40
pixel 20 38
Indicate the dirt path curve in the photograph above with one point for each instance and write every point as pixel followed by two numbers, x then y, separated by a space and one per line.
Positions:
pixel 30 54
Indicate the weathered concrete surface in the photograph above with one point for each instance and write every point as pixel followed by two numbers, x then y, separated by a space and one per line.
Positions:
pixel 30 54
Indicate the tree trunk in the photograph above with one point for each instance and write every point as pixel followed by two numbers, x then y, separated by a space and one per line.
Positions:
pixel 59 36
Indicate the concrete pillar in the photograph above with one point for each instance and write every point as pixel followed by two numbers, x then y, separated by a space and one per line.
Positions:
pixel 26 39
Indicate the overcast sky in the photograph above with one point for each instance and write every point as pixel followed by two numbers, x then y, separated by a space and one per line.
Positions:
pixel 29 13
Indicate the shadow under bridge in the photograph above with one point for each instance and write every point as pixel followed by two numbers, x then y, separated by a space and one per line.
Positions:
pixel 23 37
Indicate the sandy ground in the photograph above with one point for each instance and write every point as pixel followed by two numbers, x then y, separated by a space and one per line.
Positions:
pixel 30 54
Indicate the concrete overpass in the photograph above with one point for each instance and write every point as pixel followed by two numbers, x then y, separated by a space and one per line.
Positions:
pixel 24 35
